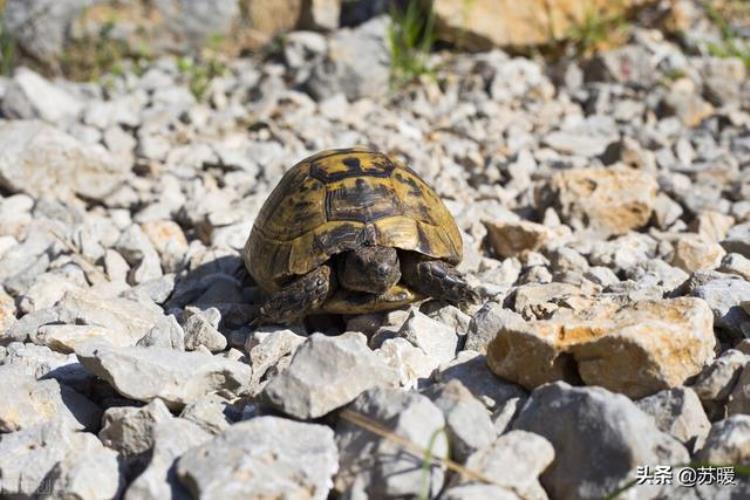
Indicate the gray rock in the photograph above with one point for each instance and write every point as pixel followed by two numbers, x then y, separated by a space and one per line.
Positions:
pixel 630 64
pixel 357 63
pixel 734 263
pixel 478 491
pixel 739 399
pixel 470 368
pixel 129 430
pixel 728 442
pixel 262 458
pixel 39 159
pixel 30 96
pixel 503 416
pixel 175 377
pixel 436 339
pixel 140 254
pixel 159 480
pixel 585 424
pixel 126 320
pixel 589 138
pixel 327 373
pixel 41 361
pixel 679 413
pixel 40 27
pixel 724 296
pixel 467 420
pixel 166 333
pixel 514 461
pixel 55 460
pixel 738 240
pixel 717 381
pixel 267 346
pixel 485 324
pixel 413 365
pixel 29 402
pixel 211 413
pixel 200 331
pixel 382 467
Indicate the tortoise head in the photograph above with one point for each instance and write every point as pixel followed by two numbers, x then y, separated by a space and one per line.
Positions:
pixel 370 269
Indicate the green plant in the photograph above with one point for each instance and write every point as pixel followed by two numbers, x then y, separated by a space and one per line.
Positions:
pixel 730 45
pixel 597 30
pixel 411 35
pixel 7 45
pixel 199 72
pixel 428 462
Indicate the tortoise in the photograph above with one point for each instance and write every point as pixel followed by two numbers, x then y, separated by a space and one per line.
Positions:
pixel 350 231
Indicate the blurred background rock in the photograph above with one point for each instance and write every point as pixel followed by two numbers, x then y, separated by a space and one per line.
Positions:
pixel 84 38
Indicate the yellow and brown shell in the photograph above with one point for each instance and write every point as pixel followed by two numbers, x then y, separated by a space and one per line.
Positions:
pixel 338 200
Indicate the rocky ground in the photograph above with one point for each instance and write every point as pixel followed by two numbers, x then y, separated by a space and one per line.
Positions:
pixel 605 209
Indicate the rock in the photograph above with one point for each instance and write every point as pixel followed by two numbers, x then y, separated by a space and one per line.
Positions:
pixel 129 430
pixel 7 311
pixel 380 466
pixel 29 402
pixel 467 420
pixel 728 442
pixel 738 240
pixel 413 365
pixel 267 346
pixel 470 368
pixel 679 413
pixel 630 64
pixel 40 27
pixel 485 324
pixel 683 101
pixel 53 459
pixel 611 347
pixel 212 413
pixel 200 332
pixel 712 225
pixel 509 239
pixel 66 338
pixel 46 290
pixel 437 340
pixel 140 254
pixel 175 377
pixel 159 479
pixel 327 373
pixel 514 461
pixel 739 399
pixel 478 491
pixel 357 63
pixel 735 263
pixel 724 296
pixel 696 253
pixel 40 160
pixel 716 382
pixel 589 138
pixel 483 24
pixel 125 320
pixel 609 201
pixel 166 333
pixel 262 458
pixel 610 424
pixel 31 96
pixel 322 14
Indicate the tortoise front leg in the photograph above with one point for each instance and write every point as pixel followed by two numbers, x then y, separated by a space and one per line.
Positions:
pixel 298 298
pixel 437 279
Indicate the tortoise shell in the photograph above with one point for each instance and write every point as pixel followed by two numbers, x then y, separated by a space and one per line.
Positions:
pixel 339 200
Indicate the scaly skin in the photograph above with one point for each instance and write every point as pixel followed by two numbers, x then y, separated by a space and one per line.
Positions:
pixel 298 298
pixel 437 279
